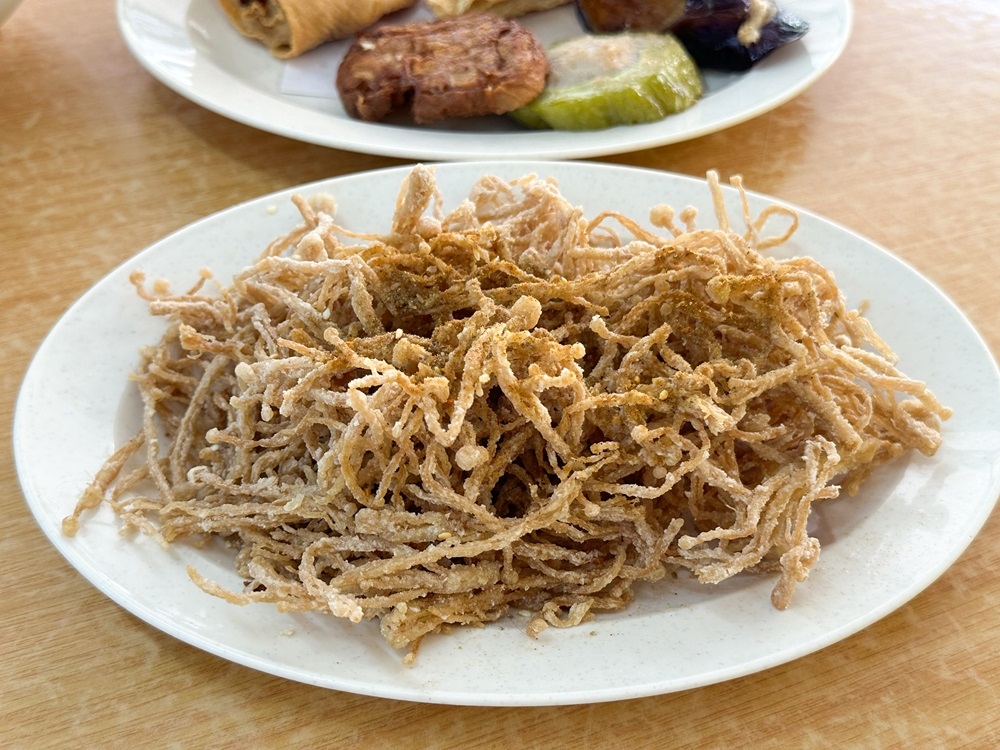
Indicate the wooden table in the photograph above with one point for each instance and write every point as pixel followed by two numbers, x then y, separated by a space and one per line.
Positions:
pixel 898 141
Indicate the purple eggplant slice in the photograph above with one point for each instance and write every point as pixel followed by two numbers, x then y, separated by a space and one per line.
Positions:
pixel 722 44
pixel 727 35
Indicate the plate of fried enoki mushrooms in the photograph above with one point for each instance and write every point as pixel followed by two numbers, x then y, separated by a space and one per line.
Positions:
pixel 451 80
pixel 511 433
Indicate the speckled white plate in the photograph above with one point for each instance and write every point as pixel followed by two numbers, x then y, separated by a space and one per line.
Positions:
pixel 190 46
pixel 881 548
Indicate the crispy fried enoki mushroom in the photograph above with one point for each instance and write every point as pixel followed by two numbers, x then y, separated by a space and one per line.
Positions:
pixel 508 406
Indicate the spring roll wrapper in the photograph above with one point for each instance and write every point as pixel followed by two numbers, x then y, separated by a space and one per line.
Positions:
pixel 291 27
pixel 507 8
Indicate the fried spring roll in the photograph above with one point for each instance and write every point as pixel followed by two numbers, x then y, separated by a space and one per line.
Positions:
pixel 291 27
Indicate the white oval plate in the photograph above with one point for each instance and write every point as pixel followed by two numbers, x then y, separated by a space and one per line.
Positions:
pixel 880 548
pixel 190 46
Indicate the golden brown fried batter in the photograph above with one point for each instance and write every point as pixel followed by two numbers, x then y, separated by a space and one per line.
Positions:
pixel 508 406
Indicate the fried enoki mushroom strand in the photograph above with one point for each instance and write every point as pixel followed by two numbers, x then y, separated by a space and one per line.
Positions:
pixel 508 406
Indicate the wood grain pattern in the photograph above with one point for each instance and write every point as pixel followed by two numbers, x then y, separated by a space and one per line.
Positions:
pixel 97 160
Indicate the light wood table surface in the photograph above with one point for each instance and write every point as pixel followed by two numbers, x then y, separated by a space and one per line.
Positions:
pixel 900 141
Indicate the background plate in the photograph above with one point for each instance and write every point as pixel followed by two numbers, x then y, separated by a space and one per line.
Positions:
pixel 881 548
pixel 190 46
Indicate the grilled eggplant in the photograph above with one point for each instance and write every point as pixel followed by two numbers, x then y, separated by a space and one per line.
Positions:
pixel 729 35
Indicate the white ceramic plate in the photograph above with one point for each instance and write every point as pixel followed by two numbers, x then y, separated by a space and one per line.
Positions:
pixel 879 549
pixel 190 46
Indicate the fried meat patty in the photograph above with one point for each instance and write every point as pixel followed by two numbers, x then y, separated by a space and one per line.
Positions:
pixel 477 64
